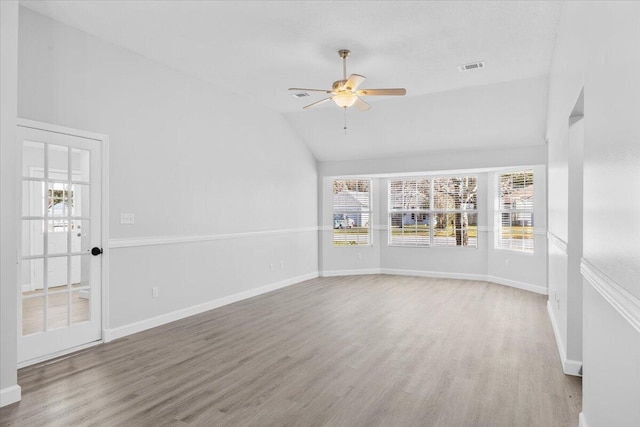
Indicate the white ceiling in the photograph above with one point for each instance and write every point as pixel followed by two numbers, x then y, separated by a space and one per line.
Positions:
pixel 259 49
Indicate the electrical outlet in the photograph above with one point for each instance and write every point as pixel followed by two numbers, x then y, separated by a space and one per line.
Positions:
pixel 359 255
pixel 281 264
pixel 506 262
pixel 127 218
pixel 154 292
pixel 271 267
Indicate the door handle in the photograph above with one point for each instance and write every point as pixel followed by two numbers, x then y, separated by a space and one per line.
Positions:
pixel 95 251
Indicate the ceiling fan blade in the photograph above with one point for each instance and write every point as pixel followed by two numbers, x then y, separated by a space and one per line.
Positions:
pixel 382 92
pixel 309 90
pixel 315 104
pixel 353 82
pixel 361 105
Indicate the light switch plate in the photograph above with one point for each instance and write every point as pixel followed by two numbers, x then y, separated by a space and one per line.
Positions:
pixel 127 218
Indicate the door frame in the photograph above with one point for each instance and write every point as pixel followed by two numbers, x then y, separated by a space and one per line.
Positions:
pixel 104 235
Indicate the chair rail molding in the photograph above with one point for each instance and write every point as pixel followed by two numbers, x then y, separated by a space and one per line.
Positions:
pixel 170 240
pixel 561 244
pixel 625 303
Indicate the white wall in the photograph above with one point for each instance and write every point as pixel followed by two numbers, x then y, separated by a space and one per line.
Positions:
pixel 598 47
pixel 9 390
pixel 575 238
pixel 527 271
pixel 566 141
pixel 191 160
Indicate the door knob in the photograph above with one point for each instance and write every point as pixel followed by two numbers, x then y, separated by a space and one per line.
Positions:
pixel 95 251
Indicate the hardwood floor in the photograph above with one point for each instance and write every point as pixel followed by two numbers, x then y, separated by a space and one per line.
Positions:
pixel 347 351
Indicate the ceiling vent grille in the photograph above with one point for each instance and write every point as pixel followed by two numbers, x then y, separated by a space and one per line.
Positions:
pixel 472 66
pixel 300 94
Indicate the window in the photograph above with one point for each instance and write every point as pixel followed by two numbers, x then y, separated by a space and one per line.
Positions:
pixel 515 211
pixel 351 212
pixel 60 199
pixel 409 215
pixel 435 211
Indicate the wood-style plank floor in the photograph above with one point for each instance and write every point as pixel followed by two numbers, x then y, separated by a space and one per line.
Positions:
pixel 347 351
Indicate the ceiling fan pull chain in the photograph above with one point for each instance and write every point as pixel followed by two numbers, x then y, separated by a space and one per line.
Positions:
pixel 345 120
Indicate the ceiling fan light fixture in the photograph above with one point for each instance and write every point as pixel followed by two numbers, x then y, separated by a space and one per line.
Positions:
pixel 345 92
pixel 345 100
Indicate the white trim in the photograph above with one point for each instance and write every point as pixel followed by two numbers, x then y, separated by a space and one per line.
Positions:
pixel 33 124
pixel 26 287
pixel 170 240
pixel 434 274
pixel 58 354
pixel 105 234
pixel 569 367
pixel 557 241
pixel 9 395
pixel 542 290
pixel 335 273
pixel 440 275
pixel 625 303
pixel 582 421
pixel 122 331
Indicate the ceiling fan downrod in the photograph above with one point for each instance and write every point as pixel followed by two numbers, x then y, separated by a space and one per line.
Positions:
pixel 344 54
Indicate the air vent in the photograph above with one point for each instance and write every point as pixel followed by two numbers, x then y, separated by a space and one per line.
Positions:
pixel 300 94
pixel 472 66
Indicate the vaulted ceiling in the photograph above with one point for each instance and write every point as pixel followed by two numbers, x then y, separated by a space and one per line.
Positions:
pixel 259 49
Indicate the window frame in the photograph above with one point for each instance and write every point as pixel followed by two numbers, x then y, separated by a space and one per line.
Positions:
pixel 499 211
pixel 431 211
pixel 345 212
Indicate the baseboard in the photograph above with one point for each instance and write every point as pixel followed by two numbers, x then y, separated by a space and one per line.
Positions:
pixel 569 367
pixel 434 274
pixel 26 287
pixel 143 325
pixel 582 421
pixel 572 367
pixel 467 276
pixel 9 395
pixel 334 273
pixel 519 285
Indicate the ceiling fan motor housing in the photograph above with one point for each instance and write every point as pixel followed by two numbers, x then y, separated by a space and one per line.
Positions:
pixel 338 85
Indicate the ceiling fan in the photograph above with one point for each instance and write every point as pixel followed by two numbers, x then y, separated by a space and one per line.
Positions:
pixel 345 92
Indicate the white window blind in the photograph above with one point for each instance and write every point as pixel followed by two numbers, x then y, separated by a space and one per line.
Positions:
pixel 351 212
pixel 409 215
pixel 435 211
pixel 515 211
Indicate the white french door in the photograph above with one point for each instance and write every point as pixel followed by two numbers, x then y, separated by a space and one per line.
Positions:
pixel 61 232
